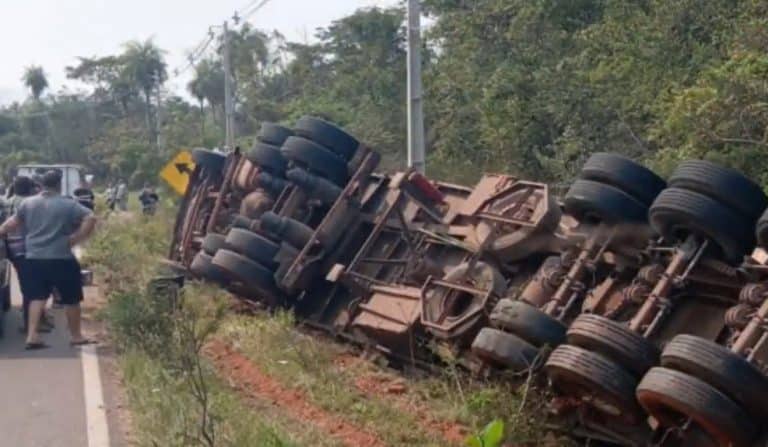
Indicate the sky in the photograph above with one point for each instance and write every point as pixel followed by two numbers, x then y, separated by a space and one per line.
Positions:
pixel 53 33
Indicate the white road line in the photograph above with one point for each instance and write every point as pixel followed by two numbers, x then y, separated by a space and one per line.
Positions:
pixel 95 411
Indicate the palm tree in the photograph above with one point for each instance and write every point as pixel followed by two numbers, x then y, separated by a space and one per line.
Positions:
pixel 35 80
pixel 195 88
pixel 209 83
pixel 145 67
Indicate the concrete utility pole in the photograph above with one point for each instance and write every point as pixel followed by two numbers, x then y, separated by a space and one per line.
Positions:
pixel 229 120
pixel 415 104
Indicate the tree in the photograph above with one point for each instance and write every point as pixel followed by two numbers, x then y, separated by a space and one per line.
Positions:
pixel 109 78
pixel 35 80
pixel 208 84
pixel 144 65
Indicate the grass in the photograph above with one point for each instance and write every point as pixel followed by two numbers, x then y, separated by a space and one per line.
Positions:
pixel 124 255
pixel 145 329
pixel 310 364
pixel 164 412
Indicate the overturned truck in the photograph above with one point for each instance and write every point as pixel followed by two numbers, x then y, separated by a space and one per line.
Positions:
pixel 584 292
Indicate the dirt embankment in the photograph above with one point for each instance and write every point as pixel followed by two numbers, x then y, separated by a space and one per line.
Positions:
pixel 249 380
pixel 395 390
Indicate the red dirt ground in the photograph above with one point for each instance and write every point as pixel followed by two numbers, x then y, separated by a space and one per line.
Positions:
pixel 395 390
pixel 245 377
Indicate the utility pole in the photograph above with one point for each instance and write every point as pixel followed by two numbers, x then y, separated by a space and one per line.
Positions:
pixel 229 111
pixel 415 104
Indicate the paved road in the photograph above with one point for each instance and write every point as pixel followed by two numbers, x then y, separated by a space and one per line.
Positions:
pixel 42 394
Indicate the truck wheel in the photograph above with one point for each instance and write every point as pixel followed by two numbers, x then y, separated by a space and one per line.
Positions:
pixel 528 322
pixel 678 212
pixel 727 186
pixel 256 247
pixel 587 376
pixel 329 135
pixel 615 341
pixel 285 228
pixel 240 221
pixel 672 396
pixel 202 267
pixel 589 200
pixel 211 161
pixel 268 157
pixel 254 276
pixel 721 368
pixel 316 158
pixel 213 243
pixel 273 134
pixel 625 174
pixel 505 350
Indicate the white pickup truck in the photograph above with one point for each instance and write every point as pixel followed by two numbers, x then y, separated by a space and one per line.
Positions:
pixel 72 177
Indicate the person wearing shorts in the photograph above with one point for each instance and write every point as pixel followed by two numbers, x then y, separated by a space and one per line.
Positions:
pixel 52 225
pixel 22 187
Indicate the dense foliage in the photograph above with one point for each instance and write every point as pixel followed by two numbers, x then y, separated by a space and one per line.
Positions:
pixel 529 87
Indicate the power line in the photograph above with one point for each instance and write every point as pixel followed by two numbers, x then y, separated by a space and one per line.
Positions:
pixel 245 8
pixel 253 11
pixel 197 53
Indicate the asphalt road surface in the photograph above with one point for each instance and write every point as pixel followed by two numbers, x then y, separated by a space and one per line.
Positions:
pixel 52 397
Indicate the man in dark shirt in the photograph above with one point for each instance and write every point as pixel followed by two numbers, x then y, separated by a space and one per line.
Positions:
pixel 48 220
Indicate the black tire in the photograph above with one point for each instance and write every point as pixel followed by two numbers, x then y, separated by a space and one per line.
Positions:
pixel 210 161
pixel 672 396
pixel 254 276
pixel 593 201
pixel 240 221
pixel 287 229
pixel 268 157
pixel 213 242
pixel 318 187
pixel 678 212
pixel 727 186
pixel 316 158
pixel 273 134
pixel 329 135
pixel 254 246
pixel 528 322
pixel 762 230
pixel 202 267
pixel 578 373
pixel 625 174
pixel 721 368
pixel 504 350
pixel 614 340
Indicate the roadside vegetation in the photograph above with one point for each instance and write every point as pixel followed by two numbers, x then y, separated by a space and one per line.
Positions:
pixel 179 394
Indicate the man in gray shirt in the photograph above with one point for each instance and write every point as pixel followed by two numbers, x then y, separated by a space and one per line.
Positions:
pixel 53 225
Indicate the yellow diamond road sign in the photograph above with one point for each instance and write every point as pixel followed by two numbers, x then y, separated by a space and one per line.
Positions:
pixel 178 171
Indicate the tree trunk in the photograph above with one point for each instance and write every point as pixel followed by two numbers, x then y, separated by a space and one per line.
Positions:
pixel 148 116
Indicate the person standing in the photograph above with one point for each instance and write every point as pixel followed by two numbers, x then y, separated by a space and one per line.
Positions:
pixel 110 195
pixel 53 224
pixel 23 187
pixel 122 196
pixel 148 199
